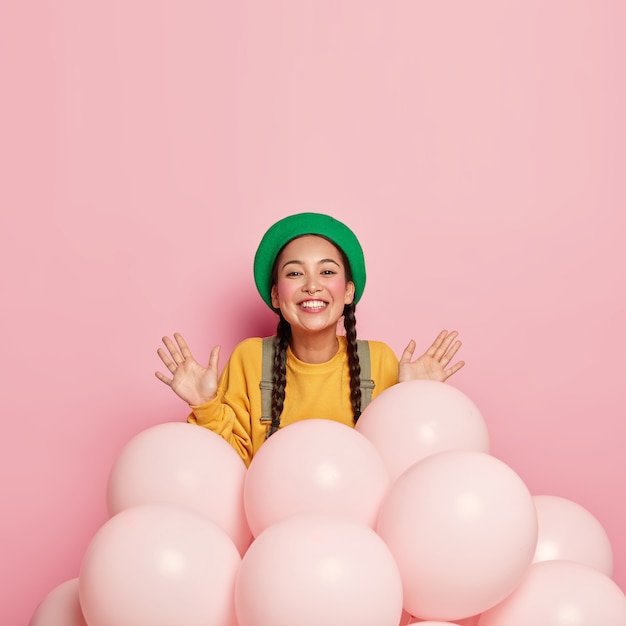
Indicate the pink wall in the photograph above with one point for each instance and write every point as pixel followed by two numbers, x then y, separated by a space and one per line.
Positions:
pixel 477 149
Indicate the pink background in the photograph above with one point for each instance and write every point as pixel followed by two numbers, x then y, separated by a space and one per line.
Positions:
pixel 477 148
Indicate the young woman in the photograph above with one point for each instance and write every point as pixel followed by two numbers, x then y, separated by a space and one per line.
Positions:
pixel 309 268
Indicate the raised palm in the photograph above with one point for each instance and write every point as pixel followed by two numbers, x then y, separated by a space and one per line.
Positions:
pixel 433 364
pixel 191 381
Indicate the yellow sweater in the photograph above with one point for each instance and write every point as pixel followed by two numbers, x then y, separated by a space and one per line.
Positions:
pixel 312 391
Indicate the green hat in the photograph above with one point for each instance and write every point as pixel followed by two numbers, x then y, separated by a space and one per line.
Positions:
pixel 298 225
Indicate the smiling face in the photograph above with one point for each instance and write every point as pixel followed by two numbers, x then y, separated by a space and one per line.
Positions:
pixel 311 287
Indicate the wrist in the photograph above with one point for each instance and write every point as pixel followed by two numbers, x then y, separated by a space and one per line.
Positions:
pixel 201 400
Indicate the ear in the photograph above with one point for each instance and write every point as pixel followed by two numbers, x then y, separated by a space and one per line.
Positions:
pixel 274 295
pixel 349 293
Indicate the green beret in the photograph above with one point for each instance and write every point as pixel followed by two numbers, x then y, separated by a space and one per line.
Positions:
pixel 283 231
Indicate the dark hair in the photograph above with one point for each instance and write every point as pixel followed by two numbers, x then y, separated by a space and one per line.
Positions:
pixel 281 343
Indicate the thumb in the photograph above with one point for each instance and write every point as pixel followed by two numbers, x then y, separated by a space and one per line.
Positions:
pixel 408 352
pixel 214 359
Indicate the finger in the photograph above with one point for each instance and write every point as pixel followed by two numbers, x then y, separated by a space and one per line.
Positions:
pixel 167 361
pixel 449 355
pixel 214 359
pixel 408 352
pixel 445 344
pixel 163 378
pixel 432 351
pixel 182 345
pixel 173 350
pixel 455 368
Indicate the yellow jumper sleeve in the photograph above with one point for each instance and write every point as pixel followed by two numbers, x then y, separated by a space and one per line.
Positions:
pixel 238 402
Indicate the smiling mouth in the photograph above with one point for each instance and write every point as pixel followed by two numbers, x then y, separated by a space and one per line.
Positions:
pixel 314 305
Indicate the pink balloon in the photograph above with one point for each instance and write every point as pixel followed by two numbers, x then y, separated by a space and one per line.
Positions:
pixel 187 465
pixel 470 621
pixel 568 532
pixel 415 419
pixel 560 593
pixel 61 607
pixel 430 623
pixel 158 565
pixel 313 569
pixel 314 465
pixel 463 529
pixel 406 618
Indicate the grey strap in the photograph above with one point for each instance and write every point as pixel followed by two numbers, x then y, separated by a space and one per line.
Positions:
pixel 266 383
pixel 367 384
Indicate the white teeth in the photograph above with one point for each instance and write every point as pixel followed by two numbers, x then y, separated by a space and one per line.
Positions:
pixel 313 305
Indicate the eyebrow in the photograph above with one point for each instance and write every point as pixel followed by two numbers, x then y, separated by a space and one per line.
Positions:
pixel 320 262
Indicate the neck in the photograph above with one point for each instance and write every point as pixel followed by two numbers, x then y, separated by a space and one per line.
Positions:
pixel 315 348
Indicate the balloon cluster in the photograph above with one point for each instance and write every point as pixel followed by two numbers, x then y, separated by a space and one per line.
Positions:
pixel 407 518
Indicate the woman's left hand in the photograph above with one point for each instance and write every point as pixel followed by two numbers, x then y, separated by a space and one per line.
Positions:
pixel 433 364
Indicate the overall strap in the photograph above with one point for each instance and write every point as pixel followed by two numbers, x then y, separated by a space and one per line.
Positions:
pixel 266 383
pixel 367 384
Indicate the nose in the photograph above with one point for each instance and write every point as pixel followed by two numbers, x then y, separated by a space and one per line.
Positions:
pixel 311 286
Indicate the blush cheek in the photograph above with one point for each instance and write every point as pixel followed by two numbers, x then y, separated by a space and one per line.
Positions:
pixel 337 287
pixel 284 290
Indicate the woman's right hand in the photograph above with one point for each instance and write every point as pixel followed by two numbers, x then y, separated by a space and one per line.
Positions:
pixel 193 383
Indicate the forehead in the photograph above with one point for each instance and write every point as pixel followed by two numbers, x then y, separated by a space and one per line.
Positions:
pixel 310 247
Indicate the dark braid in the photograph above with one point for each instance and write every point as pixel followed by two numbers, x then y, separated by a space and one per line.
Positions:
pixel 349 323
pixel 281 342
